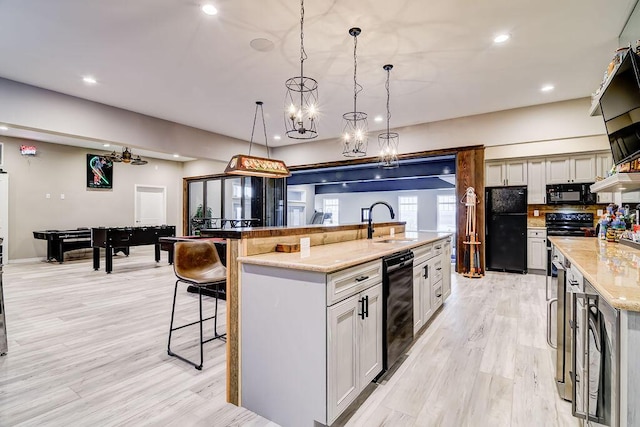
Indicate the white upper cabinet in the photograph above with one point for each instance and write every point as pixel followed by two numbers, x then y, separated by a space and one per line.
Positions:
pixel 536 183
pixel 513 172
pixel 583 168
pixel 558 171
pixel 493 176
pixel 562 170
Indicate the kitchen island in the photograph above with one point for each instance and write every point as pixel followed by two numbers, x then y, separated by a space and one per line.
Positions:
pixel 606 345
pixel 312 324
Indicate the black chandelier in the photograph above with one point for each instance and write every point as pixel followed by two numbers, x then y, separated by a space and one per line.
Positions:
pixel 388 141
pixel 355 129
pixel 301 100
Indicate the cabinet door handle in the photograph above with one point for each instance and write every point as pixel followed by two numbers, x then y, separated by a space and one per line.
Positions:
pixel 361 314
pixel 544 199
pixel 366 306
pixel 426 271
pixel 439 295
pixel 361 278
pixel 439 247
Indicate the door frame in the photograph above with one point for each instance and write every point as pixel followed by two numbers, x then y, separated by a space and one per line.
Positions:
pixel 4 217
pixel 137 188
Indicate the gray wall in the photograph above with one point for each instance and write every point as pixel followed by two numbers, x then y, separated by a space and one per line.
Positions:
pixel 351 204
pixel 59 169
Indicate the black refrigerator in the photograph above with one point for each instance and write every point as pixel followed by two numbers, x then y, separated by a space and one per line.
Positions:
pixel 506 229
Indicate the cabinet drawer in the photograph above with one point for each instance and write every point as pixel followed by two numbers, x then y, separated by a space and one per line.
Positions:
pixel 436 295
pixel 342 284
pixel 437 247
pixel 422 253
pixel 437 270
pixel 536 233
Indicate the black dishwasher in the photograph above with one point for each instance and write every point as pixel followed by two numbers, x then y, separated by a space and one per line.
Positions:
pixel 398 306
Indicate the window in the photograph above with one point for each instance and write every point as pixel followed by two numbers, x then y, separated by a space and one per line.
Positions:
pixel 331 206
pixel 446 213
pixel 409 212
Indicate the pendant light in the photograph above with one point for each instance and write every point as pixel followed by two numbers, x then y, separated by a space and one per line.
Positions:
pixel 248 165
pixel 388 141
pixel 301 100
pixel 355 128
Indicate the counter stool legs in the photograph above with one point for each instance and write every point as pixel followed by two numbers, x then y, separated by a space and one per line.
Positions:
pixel 200 322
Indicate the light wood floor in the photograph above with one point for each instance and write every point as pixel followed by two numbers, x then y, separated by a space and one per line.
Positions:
pixel 86 348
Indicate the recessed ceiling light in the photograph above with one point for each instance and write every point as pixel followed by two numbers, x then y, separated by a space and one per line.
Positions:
pixel 209 9
pixel 378 177
pixel 501 38
pixel 622 188
pixel 3 127
pixel 378 119
pixel 547 88
pixel 277 137
pixel 106 145
pixel 89 80
pixel 176 155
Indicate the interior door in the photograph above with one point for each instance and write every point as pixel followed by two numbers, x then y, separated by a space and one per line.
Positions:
pixel 4 215
pixel 150 205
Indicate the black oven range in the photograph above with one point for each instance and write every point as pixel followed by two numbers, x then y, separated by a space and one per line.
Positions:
pixel 574 224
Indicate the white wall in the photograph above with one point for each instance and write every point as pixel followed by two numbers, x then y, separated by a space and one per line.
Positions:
pixel 556 122
pixel 30 107
pixel 351 204
pixel 59 169
pixel 203 167
pixel 309 199
pixel 563 146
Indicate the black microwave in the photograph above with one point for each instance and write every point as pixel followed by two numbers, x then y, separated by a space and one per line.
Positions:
pixel 570 194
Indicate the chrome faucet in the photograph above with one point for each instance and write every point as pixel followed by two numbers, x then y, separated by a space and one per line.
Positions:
pixel 370 224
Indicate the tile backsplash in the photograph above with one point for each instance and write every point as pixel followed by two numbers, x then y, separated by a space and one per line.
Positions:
pixel 538 221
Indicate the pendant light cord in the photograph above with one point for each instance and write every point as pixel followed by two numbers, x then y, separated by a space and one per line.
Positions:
pixel 356 87
pixel 264 127
pixel 388 110
pixel 303 54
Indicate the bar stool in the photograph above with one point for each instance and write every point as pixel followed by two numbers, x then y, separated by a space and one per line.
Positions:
pixel 197 264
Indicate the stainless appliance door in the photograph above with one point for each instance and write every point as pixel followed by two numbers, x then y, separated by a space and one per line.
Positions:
pixel 595 360
pixel 563 352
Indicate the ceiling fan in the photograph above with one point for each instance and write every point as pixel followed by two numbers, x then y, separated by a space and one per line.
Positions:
pixel 126 157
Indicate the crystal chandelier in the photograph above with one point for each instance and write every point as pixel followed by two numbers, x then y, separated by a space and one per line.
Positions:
pixel 301 100
pixel 248 165
pixel 388 141
pixel 355 126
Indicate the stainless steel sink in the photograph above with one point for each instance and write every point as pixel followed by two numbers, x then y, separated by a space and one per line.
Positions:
pixel 395 241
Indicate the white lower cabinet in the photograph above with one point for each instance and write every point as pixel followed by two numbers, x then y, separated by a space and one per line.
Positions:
pixel 536 249
pixel 446 269
pixel 354 347
pixel 431 272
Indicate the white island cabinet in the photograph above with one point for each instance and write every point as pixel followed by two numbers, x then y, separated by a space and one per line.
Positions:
pixel 311 327
pixel 310 342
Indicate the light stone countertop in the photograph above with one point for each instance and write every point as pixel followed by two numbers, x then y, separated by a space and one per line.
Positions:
pixel 338 256
pixel 613 269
